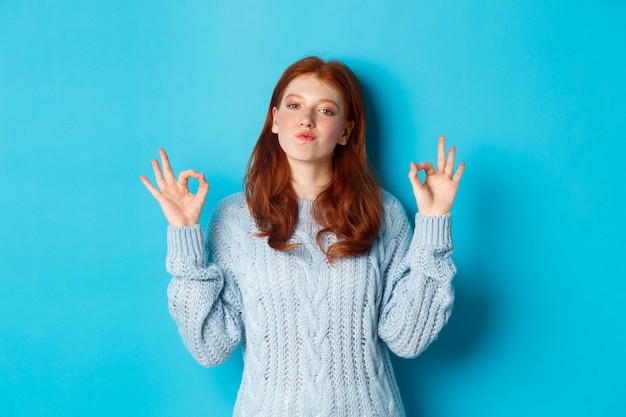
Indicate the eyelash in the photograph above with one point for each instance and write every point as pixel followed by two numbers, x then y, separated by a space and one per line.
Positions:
pixel 326 112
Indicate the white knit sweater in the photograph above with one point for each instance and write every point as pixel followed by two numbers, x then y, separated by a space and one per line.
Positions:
pixel 314 334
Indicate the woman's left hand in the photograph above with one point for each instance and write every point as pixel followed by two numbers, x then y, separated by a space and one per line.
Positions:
pixel 436 194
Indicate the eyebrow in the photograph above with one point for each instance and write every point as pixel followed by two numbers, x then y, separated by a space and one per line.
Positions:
pixel 322 100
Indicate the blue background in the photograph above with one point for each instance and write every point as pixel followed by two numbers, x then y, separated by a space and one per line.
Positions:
pixel 531 93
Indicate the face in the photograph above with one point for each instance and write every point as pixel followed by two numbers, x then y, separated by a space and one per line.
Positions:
pixel 310 122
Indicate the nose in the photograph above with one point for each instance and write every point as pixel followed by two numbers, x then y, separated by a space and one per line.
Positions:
pixel 307 118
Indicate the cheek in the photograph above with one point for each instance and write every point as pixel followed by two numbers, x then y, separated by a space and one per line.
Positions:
pixel 279 122
pixel 333 128
pixel 283 119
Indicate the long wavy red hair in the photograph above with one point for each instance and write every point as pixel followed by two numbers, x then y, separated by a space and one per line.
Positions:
pixel 350 207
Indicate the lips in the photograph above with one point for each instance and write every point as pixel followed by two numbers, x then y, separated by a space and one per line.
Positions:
pixel 305 136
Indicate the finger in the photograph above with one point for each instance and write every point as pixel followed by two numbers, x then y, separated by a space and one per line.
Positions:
pixel 149 186
pixel 183 177
pixel 203 189
pixel 158 175
pixel 459 173
pixel 450 162
pixel 441 154
pixel 167 168
pixel 428 168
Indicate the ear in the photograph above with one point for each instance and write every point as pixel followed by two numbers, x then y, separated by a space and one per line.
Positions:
pixel 274 121
pixel 345 134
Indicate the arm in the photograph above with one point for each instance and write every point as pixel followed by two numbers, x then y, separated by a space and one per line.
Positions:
pixel 417 295
pixel 203 299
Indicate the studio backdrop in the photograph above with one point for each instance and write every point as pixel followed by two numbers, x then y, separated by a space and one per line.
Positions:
pixel 530 92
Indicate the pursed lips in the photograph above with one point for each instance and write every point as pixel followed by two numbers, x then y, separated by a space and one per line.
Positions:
pixel 305 136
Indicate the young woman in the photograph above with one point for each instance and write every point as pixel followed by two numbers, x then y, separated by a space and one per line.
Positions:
pixel 314 267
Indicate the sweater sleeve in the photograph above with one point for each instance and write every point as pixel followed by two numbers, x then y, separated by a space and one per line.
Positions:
pixel 203 297
pixel 417 294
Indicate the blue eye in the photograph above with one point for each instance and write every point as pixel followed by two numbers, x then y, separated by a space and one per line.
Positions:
pixel 327 112
pixel 292 106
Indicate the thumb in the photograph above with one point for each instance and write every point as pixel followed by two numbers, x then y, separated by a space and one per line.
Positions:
pixel 414 178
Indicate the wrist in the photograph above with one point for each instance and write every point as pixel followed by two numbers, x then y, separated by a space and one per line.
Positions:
pixel 431 213
pixel 183 224
pixel 433 210
pixel 182 221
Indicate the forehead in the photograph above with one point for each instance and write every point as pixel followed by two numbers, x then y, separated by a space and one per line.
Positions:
pixel 308 85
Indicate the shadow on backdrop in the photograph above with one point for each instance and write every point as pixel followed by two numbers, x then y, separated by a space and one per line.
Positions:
pixel 482 290
pixel 474 305
pixel 472 316
pixel 385 103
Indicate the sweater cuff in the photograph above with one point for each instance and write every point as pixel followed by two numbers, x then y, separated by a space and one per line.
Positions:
pixel 433 230
pixel 185 241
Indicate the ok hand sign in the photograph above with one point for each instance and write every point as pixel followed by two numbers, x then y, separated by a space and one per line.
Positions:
pixel 181 207
pixel 436 194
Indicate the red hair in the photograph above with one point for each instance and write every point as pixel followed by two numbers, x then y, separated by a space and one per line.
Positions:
pixel 350 207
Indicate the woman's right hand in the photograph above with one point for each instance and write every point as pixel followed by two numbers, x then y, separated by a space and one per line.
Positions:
pixel 181 207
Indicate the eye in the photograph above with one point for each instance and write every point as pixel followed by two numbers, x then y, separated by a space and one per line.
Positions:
pixel 292 105
pixel 327 112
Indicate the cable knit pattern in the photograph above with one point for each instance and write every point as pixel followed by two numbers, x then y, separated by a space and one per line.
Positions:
pixel 315 335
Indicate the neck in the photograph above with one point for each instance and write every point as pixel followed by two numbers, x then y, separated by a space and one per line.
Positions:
pixel 308 180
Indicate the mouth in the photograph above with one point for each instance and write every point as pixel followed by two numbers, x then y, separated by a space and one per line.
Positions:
pixel 306 136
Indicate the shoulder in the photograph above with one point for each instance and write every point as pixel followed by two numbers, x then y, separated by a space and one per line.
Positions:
pixel 392 206
pixel 394 215
pixel 390 201
pixel 233 207
pixel 233 201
